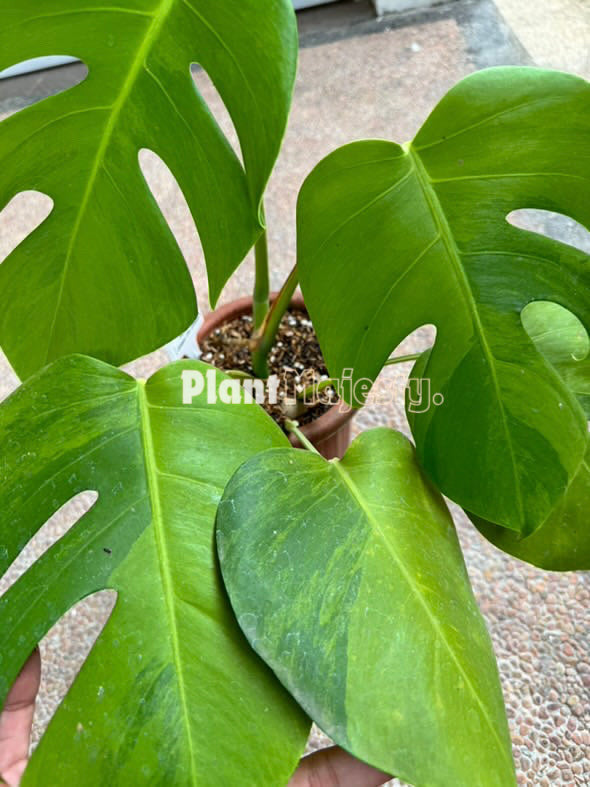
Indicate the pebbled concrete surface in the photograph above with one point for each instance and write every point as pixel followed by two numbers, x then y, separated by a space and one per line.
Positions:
pixel 360 77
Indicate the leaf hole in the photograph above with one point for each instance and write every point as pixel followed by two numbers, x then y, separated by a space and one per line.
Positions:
pixel 175 209
pixel 36 64
pixel 385 405
pixel 217 107
pixel 556 226
pixel 66 645
pixel 21 87
pixel 47 536
pixel 420 340
pixel 64 649
pixel 23 214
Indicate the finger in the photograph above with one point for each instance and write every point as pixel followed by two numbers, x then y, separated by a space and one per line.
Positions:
pixel 334 767
pixel 16 721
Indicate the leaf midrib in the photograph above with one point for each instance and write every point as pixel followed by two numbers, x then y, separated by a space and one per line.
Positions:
pixel 415 589
pixel 152 473
pixel 159 16
pixel 454 257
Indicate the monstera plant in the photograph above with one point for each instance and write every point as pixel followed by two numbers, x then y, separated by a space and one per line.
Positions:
pixel 260 586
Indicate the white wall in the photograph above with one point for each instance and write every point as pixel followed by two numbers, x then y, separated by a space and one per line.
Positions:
pixel 38 64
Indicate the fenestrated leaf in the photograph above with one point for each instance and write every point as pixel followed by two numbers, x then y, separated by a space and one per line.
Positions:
pixel 562 543
pixel 348 579
pixel 171 693
pixel 105 256
pixel 403 236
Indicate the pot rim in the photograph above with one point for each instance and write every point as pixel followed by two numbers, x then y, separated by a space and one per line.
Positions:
pixel 321 428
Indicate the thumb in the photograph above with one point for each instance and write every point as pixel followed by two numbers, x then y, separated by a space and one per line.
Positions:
pixel 16 721
pixel 333 767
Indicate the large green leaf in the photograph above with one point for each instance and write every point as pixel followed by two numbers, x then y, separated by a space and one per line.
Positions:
pixel 403 236
pixel 171 694
pixel 562 543
pixel 105 257
pixel 348 579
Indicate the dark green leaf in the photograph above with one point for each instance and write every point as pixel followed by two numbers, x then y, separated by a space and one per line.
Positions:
pixel 348 579
pixel 105 257
pixel 576 375
pixel 171 684
pixel 403 236
pixel 562 543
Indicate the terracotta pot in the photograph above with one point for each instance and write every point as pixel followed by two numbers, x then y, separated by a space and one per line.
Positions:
pixel 331 432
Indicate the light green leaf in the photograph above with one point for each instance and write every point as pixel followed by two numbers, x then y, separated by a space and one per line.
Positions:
pixel 404 236
pixel 105 258
pixel 561 338
pixel 171 685
pixel 556 332
pixel 348 579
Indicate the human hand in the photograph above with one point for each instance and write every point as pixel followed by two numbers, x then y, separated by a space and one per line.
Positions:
pixel 334 767
pixel 331 767
pixel 16 721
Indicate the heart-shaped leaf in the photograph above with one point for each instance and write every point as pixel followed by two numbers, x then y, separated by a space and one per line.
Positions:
pixel 171 685
pixel 348 579
pixel 105 256
pixel 403 236
pixel 562 543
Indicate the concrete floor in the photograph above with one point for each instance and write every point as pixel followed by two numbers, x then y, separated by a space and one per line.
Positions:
pixel 556 33
pixel 360 77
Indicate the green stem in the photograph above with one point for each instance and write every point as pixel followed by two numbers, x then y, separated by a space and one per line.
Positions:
pixel 316 388
pixel 261 281
pixel 293 426
pixel 268 330
pixel 238 374
pixel 402 359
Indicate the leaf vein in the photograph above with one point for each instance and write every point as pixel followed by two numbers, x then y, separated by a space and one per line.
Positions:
pixel 164 562
pixel 454 256
pixel 372 520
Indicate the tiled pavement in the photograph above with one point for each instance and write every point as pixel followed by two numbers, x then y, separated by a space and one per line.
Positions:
pixel 360 77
